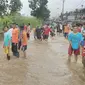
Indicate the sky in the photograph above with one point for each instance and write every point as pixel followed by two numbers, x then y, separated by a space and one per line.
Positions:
pixel 55 6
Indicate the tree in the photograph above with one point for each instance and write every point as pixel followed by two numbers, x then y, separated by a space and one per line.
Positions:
pixel 39 9
pixel 3 7
pixel 15 6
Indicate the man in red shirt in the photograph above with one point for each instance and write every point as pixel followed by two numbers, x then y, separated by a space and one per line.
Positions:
pixel 46 32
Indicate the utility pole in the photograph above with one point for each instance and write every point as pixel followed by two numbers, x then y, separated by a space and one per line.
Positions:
pixel 63 9
pixel 81 11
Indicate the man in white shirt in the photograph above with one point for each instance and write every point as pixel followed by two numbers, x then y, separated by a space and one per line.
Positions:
pixel 61 27
pixel 83 28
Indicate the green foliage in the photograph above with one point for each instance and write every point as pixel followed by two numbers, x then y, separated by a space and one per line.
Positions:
pixel 3 7
pixel 20 20
pixel 39 9
pixel 15 6
pixel 10 7
pixel 6 21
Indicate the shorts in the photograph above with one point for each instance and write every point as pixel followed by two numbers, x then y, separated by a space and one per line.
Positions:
pixel 65 35
pixel 45 36
pixel 24 48
pixel 28 35
pixel 71 50
pixel 6 50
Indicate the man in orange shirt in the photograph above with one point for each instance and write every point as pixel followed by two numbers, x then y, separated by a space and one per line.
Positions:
pixel 24 42
pixel 66 31
pixel 15 38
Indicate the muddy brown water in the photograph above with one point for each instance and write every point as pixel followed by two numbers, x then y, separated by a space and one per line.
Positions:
pixel 46 64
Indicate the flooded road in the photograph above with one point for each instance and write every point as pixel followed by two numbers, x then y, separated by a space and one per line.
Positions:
pixel 46 64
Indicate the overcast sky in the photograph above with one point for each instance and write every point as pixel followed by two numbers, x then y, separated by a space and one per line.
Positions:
pixel 55 6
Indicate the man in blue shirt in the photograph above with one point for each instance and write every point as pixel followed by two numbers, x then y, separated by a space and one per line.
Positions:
pixel 74 40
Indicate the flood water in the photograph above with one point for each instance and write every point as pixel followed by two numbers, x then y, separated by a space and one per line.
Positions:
pixel 46 64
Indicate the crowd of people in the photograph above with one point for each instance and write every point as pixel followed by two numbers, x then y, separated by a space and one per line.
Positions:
pixel 42 33
pixel 17 38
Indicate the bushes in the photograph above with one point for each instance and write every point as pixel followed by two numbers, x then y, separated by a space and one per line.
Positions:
pixel 20 20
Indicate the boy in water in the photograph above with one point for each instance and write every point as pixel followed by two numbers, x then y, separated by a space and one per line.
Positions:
pixel 74 40
pixel 7 41
pixel 24 42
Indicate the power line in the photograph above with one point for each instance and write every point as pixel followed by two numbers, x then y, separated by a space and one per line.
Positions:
pixel 80 3
pixel 77 6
